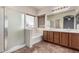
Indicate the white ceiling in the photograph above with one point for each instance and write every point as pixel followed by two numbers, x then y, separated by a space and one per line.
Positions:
pixel 43 7
pixel 57 9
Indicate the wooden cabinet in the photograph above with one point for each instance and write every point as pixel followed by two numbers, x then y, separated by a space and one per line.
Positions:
pixel 74 40
pixel 64 39
pixel 56 37
pixel 45 35
pixel 50 36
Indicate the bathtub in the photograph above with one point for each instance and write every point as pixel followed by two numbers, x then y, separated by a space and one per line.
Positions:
pixel 32 37
pixel 37 37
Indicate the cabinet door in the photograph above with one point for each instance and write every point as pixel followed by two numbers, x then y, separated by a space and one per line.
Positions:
pixel 64 39
pixel 50 36
pixel 45 35
pixel 56 37
pixel 74 40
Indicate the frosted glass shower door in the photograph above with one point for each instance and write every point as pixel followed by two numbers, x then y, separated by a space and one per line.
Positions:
pixel 1 29
pixel 15 28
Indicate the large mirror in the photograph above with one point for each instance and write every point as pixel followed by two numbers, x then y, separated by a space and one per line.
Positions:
pixel 64 20
pixel 77 21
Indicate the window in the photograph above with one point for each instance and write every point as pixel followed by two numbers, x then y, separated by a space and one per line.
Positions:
pixel 29 21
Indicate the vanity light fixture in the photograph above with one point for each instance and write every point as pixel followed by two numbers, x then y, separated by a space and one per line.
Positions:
pixel 69 19
pixel 60 8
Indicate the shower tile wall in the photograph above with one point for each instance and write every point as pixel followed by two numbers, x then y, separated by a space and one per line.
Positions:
pixel 68 24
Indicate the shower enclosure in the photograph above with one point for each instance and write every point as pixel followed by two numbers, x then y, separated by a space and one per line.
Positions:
pixel 11 28
pixel 2 29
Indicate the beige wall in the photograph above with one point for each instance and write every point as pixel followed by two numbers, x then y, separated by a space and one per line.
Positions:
pixel 60 16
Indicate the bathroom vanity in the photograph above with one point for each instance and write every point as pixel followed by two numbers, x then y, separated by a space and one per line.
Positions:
pixel 64 37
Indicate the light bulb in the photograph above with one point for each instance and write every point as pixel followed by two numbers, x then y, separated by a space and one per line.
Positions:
pixel 69 18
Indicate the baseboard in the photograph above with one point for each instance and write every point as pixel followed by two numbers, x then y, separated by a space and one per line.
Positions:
pixel 15 48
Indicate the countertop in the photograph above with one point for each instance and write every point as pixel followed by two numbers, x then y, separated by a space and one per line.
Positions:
pixel 63 30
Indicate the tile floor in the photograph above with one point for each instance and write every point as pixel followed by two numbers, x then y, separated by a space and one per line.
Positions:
pixel 46 47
